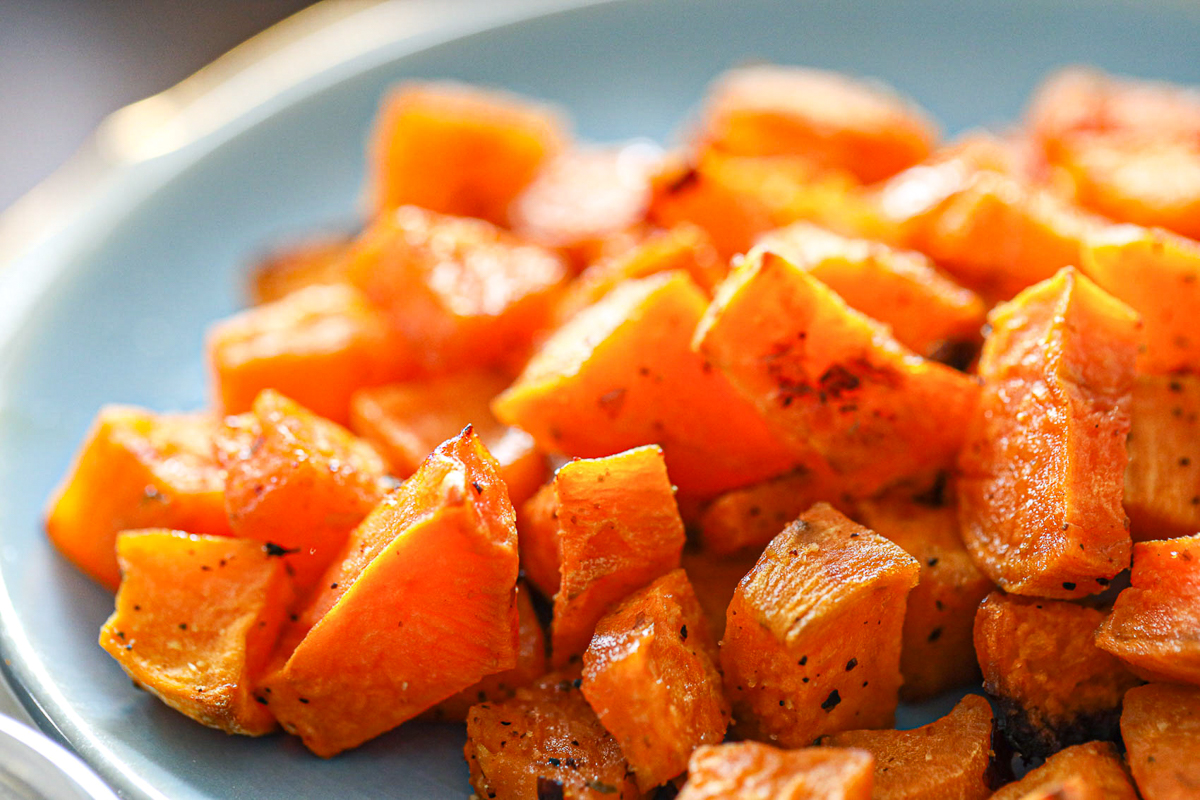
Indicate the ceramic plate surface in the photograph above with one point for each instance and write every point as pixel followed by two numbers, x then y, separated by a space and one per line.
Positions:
pixel 114 308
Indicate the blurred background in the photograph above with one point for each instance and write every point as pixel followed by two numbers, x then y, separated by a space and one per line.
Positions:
pixel 66 64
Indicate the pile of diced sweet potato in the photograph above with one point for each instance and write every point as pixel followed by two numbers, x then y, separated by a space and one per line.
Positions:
pixel 676 472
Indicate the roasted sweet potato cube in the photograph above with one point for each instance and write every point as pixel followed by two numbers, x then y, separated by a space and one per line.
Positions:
pixel 752 771
pixel 1158 274
pixel 545 742
pixel 195 622
pixel 1042 474
pixel 318 345
pixel 622 374
pixel 833 119
pixel 938 652
pixel 460 292
pixel 1095 765
pixel 312 261
pixel 618 530
pixel 830 379
pixel 405 421
pixel 1053 685
pixel 812 637
pixel 457 149
pixel 531 665
pixel 950 757
pixel 926 311
pixel 1153 624
pixel 584 196
pixel 650 674
pixel 297 482
pixel 538 536
pixel 419 605
pixel 714 578
pixel 136 469
pixel 1161 728
pixel 1162 478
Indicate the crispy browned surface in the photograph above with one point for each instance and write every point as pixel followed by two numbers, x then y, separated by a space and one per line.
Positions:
pixel 1154 622
pixel 312 261
pixel 753 771
pixel 1042 474
pixel 1161 728
pixel 650 674
pixel 949 758
pixel 1095 767
pixel 812 636
pixel 195 622
pixel 1162 479
pixel 545 742
pixel 1055 687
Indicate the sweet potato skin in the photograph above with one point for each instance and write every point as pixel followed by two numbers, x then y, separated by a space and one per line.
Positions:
pixel 812 636
pixel 1162 479
pixel 1095 764
pixel 1042 473
pixel 750 771
pixel 1160 725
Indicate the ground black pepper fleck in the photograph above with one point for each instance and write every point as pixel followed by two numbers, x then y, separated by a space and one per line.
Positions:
pixel 832 701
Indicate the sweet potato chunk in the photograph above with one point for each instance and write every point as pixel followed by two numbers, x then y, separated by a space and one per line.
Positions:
pixel 419 605
pixel 1042 473
pixel 833 119
pixel 1053 685
pixel 457 149
pixel 136 469
pixel 545 742
pixel 1161 727
pixel 537 527
pixel 926 311
pixel 650 674
pixel 830 379
pixel 618 530
pixel 715 578
pixel 318 345
pixel 947 758
pixel 405 421
pixel 1154 622
pixel 1162 479
pixel 1095 765
pixel 812 637
pixel 312 261
pixel 1158 275
pixel 298 483
pixel 622 374
pixel 938 653
pixel 460 292
pixel 753 771
pixel 195 622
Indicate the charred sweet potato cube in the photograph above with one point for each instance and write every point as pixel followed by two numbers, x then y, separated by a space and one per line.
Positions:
pixel 1158 274
pixel 136 469
pixel 405 421
pixel 1053 685
pixel 1162 479
pixel 460 292
pixel 1161 727
pixel 531 665
pixel 457 149
pixel 714 578
pixel 419 605
pixel 938 652
pixel 833 119
pixel 752 771
pixel 618 530
pixel 545 742
pixel 312 261
pixel 1153 624
pixel 950 757
pixel 926 311
pixel 650 674
pixel 195 622
pixel 297 482
pixel 1095 765
pixel 1042 474
pixel 830 379
pixel 318 345
pixel 622 373
pixel 582 197
pixel 812 636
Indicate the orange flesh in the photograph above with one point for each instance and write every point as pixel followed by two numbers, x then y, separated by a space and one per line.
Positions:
pixel 1095 765
pixel 537 524
pixel 1161 726
pixel 1162 479
pixel 312 261
pixel 753 771
pixel 715 578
